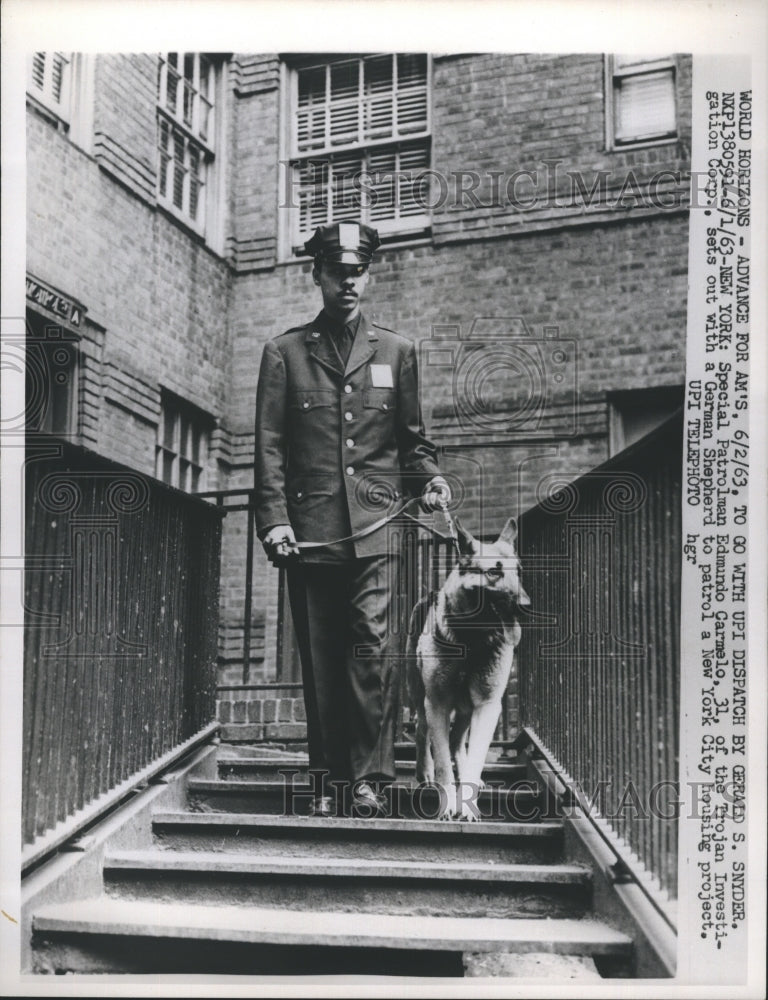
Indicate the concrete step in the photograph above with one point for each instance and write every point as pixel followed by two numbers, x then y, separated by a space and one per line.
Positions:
pixel 269 767
pixel 522 802
pixel 501 750
pixel 387 839
pixel 110 935
pixel 362 885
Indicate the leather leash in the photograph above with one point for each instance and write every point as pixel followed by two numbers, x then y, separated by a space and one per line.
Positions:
pixel 377 525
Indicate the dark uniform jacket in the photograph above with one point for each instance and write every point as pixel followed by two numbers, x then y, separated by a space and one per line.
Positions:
pixel 338 448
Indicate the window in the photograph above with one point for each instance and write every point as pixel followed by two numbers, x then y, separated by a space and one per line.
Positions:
pixel 49 81
pixel 641 99
pixel 52 378
pixel 186 109
pixel 360 143
pixel 182 444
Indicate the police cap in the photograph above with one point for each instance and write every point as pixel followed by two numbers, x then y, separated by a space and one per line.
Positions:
pixel 344 243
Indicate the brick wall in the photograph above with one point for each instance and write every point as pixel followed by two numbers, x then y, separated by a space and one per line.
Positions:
pixel 252 238
pixel 159 295
pixel 254 717
pixel 501 114
pixel 164 311
pixel 124 120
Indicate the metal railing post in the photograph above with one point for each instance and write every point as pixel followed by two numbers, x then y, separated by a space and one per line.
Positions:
pixel 248 590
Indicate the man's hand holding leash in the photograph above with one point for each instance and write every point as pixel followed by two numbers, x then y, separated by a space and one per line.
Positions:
pixel 436 495
pixel 280 544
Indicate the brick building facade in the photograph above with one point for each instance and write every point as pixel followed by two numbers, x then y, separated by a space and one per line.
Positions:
pixel 535 233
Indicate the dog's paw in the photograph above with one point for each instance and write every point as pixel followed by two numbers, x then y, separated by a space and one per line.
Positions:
pixel 448 807
pixel 469 816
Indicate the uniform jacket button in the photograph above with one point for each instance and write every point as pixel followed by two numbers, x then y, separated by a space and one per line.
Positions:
pixel 350 443
pixel 347 415
pixel 350 470
pixel 347 388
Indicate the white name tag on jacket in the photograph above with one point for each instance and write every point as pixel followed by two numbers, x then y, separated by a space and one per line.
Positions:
pixel 381 377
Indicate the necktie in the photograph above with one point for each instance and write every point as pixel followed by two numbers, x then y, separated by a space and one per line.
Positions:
pixel 343 337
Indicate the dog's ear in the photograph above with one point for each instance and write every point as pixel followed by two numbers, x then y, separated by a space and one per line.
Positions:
pixel 508 534
pixel 467 544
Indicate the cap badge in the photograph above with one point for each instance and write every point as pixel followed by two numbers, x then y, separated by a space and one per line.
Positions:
pixel 349 235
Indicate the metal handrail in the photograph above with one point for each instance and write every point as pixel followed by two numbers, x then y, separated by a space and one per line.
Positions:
pixel 622 871
pixel 220 496
pixel 62 836
pixel 119 631
pixel 599 667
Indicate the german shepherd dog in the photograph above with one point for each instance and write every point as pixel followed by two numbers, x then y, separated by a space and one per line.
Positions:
pixel 459 655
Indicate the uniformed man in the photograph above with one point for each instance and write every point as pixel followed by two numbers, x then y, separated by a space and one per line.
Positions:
pixel 340 444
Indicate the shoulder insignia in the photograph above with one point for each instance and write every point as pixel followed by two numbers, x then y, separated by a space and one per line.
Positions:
pixel 293 329
pixel 388 329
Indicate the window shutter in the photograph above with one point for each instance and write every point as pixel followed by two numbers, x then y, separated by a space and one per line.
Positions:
pixel 344 118
pixel 178 170
pixel 57 76
pixel 413 193
pixel 310 117
pixel 47 78
pixel 379 98
pixel 313 195
pixel 345 186
pixel 382 166
pixel 645 105
pixel 38 70
pixel 411 94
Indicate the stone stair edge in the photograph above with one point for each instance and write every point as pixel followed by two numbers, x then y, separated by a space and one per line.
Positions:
pixel 267 926
pixel 346 824
pixel 302 760
pixel 267 785
pixel 294 866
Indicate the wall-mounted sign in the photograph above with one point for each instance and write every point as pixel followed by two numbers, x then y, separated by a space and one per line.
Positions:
pixel 59 305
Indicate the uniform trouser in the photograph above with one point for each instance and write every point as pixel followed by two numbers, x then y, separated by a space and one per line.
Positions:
pixel 349 650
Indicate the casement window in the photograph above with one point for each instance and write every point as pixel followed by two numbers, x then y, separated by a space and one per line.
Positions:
pixel 49 79
pixel 183 436
pixel 360 143
pixel 52 378
pixel 641 104
pixel 187 87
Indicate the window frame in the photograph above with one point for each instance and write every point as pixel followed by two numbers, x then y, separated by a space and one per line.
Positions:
pixel 391 230
pixel 207 144
pixel 61 107
pixel 643 67
pixel 73 113
pixel 182 463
